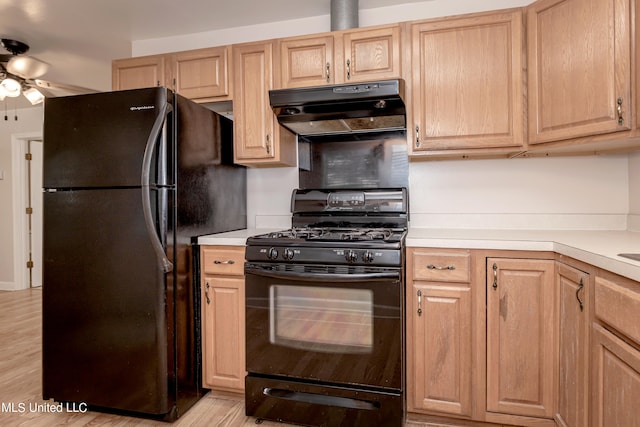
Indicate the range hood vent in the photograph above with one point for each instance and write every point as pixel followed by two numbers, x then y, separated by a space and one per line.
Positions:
pixel 341 109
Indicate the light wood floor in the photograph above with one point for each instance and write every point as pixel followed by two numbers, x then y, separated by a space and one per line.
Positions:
pixel 20 379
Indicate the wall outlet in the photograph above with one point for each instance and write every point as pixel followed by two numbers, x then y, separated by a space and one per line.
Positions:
pixel 1 174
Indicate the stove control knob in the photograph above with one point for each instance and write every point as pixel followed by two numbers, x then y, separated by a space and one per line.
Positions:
pixel 367 257
pixel 351 256
pixel 287 254
pixel 272 253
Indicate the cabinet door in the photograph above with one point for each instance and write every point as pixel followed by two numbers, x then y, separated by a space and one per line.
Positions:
pixel 439 378
pixel 579 68
pixel 137 73
pixel 467 83
pixel 521 337
pixel 370 54
pixel 258 139
pixel 616 381
pixel 223 332
pixel 572 288
pixel 201 74
pixel 307 61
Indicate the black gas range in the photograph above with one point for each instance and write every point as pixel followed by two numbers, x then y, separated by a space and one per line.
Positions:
pixel 324 311
pixel 353 227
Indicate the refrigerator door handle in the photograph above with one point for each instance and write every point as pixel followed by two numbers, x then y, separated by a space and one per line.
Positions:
pixel 165 264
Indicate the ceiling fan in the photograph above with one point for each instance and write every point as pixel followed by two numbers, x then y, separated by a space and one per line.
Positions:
pixel 19 75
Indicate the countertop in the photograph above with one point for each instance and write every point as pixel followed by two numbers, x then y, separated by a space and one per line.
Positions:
pixel 233 238
pixel 598 248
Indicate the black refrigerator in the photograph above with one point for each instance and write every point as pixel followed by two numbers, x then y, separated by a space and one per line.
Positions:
pixel 131 178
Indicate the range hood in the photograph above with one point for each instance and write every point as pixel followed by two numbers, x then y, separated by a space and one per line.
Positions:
pixel 341 109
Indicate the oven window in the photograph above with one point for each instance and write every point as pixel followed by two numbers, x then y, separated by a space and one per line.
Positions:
pixel 330 320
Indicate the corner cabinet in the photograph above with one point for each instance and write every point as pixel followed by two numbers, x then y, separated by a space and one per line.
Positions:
pixel 223 331
pixel 467 84
pixel 572 287
pixel 258 138
pixel 347 56
pixel 439 347
pixel 521 337
pixel 579 65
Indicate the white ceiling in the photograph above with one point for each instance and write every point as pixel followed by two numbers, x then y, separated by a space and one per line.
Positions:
pixel 78 37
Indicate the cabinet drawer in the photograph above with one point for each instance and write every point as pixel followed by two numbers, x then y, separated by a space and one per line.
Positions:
pixel 618 304
pixel 441 265
pixel 223 260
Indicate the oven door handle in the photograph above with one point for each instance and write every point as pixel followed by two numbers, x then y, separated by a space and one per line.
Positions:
pixel 325 277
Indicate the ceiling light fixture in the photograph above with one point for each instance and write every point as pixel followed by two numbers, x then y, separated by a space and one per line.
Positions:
pixel 33 95
pixel 10 87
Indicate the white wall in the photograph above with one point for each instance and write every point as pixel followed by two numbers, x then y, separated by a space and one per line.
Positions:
pixel 29 121
pixel 367 17
pixel 581 192
pixel 541 193
pixel 634 191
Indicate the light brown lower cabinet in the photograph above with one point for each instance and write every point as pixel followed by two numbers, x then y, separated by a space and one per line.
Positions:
pixel 442 337
pixel 521 337
pixel 572 287
pixel 615 357
pixel 439 330
pixel 616 375
pixel 223 326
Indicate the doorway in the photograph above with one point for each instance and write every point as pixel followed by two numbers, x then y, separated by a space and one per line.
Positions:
pixel 27 191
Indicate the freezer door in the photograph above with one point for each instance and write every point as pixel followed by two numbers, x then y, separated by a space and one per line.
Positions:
pixel 99 140
pixel 105 329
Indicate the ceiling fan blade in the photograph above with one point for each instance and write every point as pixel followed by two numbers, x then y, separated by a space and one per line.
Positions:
pixel 61 88
pixel 27 67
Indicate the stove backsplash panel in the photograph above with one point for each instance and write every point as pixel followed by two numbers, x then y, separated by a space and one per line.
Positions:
pixel 373 160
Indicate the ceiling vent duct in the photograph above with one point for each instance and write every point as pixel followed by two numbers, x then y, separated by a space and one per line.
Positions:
pixel 344 14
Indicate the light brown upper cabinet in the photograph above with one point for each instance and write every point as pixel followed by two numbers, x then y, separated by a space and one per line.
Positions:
pixel 258 138
pixel 201 74
pixel 579 65
pixel 346 56
pixel 467 84
pixel 138 72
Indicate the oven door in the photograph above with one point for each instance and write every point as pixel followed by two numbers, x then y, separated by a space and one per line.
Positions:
pixel 313 323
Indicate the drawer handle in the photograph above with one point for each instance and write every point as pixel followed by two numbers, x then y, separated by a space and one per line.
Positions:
pixel 437 267
pixel 578 294
pixel 206 293
pixel 419 303
pixel 228 262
